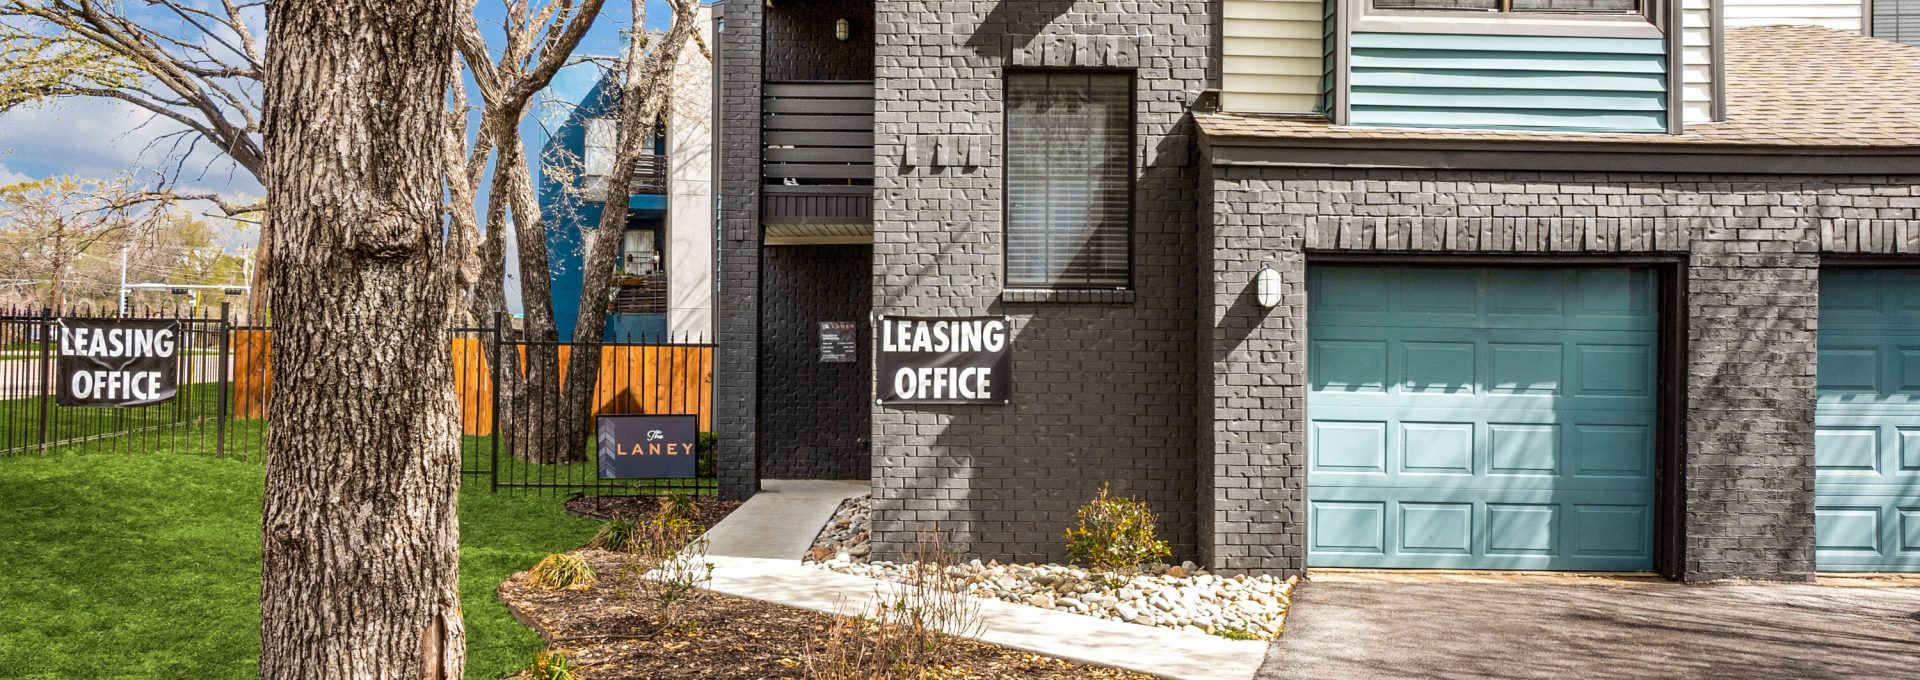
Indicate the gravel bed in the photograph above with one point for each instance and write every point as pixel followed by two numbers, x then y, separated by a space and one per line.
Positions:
pixel 1182 597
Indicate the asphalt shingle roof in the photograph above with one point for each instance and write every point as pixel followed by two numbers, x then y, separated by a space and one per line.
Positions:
pixel 1801 86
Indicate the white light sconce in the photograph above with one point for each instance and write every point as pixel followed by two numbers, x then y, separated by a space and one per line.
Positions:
pixel 1266 288
pixel 842 29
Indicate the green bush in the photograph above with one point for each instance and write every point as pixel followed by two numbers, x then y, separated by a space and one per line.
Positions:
pixel 1114 534
pixel 706 465
pixel 678 506
pixel 551 666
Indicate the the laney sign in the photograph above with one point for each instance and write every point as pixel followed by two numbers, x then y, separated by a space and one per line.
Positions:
pixel 944 361
pixel 648 447
pixel 109 362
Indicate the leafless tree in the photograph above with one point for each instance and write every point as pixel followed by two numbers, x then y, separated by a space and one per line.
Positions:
pixel 200 69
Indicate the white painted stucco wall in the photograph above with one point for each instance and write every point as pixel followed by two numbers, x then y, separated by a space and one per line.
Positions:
pixel 690 225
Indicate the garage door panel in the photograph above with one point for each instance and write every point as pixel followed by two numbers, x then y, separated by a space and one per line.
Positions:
pixel 1867 425
pixel 1509 418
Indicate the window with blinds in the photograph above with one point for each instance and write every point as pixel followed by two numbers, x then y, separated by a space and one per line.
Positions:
pixel 1069 180
pixel 1897 20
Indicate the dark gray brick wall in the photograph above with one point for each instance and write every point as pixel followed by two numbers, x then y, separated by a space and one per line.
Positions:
pixel 815 419
pixel 800 43
pixel 736 363
pixel 1751 247
pixel 1102 391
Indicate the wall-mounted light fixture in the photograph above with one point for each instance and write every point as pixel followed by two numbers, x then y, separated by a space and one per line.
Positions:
pixel 1266 288
pixel 842 29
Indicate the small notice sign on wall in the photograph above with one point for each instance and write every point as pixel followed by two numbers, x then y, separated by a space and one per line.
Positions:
pixel 944 360
pixel 839 342
pixel 649 446
pixel 118 362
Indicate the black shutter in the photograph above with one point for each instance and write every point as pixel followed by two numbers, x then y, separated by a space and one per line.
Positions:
pixel 1069 180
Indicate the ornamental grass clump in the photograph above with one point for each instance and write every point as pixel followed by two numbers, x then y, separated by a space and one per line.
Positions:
pixel 551 666
pixel 562 571
pixel 613 535
pixel 1115 535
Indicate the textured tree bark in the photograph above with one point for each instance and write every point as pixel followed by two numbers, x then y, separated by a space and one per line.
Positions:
pixel 360 535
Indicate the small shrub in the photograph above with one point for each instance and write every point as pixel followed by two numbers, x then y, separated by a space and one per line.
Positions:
pixel 613 535
pixel 1238 634
pixel 1115 535
pixel 911 630
pixel 666 551
pixel 678 506
pixel 551 666
pixel 705 462
pixel 561 570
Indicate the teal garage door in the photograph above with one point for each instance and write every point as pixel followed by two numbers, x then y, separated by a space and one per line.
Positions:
pixel 1481 418
pixel 1867 426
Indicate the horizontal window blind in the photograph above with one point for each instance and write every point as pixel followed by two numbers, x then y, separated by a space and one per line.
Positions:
pixel 1897 20
pixel 1069 180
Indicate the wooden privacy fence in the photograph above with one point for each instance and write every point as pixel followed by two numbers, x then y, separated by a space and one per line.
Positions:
pixel 634 378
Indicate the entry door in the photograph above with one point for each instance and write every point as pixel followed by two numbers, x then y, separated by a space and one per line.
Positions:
pixel 1867 425
pixel 1481 418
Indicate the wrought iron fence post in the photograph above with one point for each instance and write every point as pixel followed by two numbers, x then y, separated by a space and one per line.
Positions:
pixel 493 371
pixel 220 389
pixel 46 374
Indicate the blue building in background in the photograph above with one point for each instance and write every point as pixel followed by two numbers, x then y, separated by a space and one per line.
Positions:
pixel 663 277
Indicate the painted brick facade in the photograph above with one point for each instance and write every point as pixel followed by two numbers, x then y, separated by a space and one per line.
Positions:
pixel 1751 251
pixel 737 305
pixel 813 423
pixel 1184 391
pixel 1104 390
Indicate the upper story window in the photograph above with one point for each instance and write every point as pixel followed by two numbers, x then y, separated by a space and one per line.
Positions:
pixel 1515 6
pixel 597 158
pixel 1069 183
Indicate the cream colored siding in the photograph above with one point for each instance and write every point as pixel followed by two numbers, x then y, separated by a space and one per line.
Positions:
pixel 1273 57
pixel 1841 14
pixel 1696 60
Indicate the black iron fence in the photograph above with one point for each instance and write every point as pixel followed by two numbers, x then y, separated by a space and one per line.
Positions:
pixel 517 422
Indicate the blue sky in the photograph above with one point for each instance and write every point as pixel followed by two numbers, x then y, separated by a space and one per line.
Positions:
pixel 103 138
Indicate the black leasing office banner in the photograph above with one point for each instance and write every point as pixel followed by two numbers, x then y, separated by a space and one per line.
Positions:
pixel 649 446
pixel 118 362
pixel 961 360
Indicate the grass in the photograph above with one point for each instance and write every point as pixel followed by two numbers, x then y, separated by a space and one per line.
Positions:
pixel 20 418
pixel 144 565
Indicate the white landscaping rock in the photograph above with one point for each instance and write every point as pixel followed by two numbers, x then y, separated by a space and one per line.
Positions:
pixel 1177 597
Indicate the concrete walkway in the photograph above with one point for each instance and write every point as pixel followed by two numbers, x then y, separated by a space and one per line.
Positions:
pixel 1360 626
pixel 756 554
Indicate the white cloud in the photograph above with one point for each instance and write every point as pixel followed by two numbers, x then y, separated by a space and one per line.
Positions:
pixel 9 176
pixel 106 138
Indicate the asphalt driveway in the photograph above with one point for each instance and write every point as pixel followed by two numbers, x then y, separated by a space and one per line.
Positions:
pixel 1596 628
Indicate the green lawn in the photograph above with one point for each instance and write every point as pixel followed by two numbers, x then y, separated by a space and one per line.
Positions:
pixel 20 418
pixel 148 566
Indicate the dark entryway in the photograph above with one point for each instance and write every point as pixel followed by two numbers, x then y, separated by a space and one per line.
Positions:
pixel 815 412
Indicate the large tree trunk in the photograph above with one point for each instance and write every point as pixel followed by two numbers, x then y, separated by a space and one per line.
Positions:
pixel 361 540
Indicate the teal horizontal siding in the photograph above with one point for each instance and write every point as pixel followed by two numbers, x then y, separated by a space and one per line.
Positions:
pixel 1509 82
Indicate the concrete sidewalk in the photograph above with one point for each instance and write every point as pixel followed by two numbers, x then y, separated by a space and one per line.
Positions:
pixel 756 554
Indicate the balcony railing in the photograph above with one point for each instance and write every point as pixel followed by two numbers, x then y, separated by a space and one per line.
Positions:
pixel 818 153
pixel 645 294
pixel 649 175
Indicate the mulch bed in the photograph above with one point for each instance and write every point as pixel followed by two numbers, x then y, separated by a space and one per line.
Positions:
pixel 711 509
pixel 614 631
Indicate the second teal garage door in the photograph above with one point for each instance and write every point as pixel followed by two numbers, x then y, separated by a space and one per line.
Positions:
pixel 1867 437
pixel 1481 418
